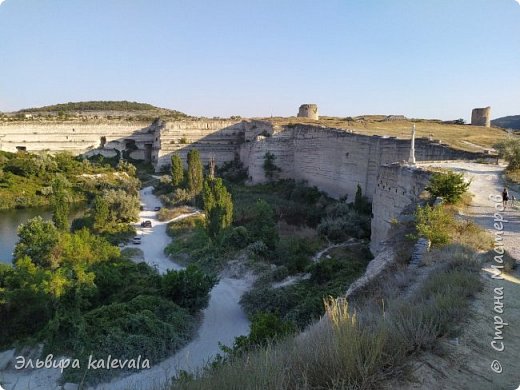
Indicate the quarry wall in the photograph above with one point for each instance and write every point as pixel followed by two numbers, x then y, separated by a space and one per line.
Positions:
pixel 337 161
pixel 75 137
pixel 218 139
pixel 334 160
pixel 397 188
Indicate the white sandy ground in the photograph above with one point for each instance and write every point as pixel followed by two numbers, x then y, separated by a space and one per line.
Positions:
pixel 222 321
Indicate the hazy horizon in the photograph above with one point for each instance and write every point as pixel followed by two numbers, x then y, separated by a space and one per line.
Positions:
pixel 435 60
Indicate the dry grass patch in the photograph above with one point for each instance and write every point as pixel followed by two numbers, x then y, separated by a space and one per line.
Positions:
pixel 464 137
pixel 513 176
pixel 166 214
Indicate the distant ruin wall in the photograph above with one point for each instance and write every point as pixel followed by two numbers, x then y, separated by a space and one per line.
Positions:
pixel 481 117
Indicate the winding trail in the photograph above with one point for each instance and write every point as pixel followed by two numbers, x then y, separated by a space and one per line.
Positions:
pixel 222 321
pixel 317 257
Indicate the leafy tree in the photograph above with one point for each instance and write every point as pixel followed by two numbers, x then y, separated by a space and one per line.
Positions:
pixel 188 288
pixel 83 247
pixel 123 207
pixel 26 300
pixel 263 225
pixel 177 170
pixel 100 213
pixel 270 167
pixel 60 203
pixel 450 186
pixel 37 238
pixel 509 150
pixel 218 206
pixel 195 172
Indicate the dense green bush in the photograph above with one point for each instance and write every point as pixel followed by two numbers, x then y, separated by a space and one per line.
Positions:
pixel 265 328
pixel 510 151
pixel 218 206
pixel 435 223
pixel 188 288
pixel 448 185
pixel 149 326
pixel 233 171
pixel 262 225
pixel 343 221
pixel 37 238
pixel 295 253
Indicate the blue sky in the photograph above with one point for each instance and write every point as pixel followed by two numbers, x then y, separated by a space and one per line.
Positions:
pixel 420 58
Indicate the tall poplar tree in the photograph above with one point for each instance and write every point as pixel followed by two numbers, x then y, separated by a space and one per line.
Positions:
pixel 195 172
pixel 60 203
pixel 177 170
pixel 218 206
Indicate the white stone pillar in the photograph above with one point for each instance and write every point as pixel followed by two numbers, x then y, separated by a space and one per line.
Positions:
pixel 411 159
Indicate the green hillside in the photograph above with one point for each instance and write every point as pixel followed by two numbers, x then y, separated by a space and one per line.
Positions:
pixel 124 105
pixel 507 122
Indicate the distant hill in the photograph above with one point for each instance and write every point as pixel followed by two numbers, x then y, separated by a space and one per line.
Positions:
pixel 102 106
pixel 507 122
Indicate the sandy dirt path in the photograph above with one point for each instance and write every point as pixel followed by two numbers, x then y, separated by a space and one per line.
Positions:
pixel 466 362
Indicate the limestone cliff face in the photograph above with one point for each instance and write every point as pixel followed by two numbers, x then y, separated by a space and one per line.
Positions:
pixel 397 188
pixel 218 139
pixel 76 137
pixel 334 160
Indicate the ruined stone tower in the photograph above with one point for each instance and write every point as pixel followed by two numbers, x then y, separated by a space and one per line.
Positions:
pixel 481 117
pixel 308 111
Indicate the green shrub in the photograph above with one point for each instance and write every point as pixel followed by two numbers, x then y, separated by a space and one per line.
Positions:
pixel 262 226
pixel 265 328
pixel 448 185
pixel 435 223
pixel 343 222
pixel 188 288
pixel 295 253
pixel 510 151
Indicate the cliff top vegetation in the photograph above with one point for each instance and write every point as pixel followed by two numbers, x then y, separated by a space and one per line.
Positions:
pixel 101 105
